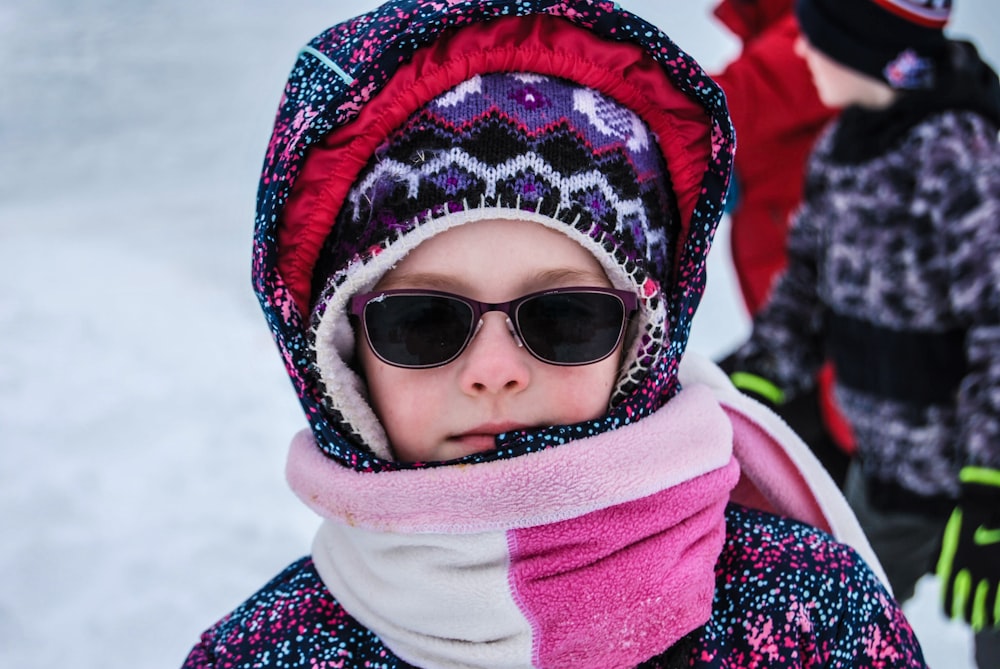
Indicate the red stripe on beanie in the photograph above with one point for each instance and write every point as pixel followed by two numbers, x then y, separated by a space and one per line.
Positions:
pixel 922 14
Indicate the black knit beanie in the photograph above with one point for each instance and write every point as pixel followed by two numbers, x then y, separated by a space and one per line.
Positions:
pixel 900 42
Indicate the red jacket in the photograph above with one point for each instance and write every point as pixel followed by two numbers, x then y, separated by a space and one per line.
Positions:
pixel 777 115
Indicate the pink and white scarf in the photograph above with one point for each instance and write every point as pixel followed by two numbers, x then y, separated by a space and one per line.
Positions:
pixel 555 559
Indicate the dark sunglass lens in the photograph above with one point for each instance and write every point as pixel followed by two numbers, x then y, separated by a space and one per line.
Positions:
pixel 571 328
pixel 417 330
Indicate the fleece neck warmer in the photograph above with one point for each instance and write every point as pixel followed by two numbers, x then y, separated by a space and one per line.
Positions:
pixel 554 558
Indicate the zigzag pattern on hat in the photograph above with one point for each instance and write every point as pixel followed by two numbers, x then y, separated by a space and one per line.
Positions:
pixel 456 172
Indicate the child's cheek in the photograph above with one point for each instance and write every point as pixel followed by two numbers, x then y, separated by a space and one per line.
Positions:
pixel 586 391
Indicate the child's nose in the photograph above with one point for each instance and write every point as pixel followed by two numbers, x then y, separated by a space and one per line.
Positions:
pixel 495 360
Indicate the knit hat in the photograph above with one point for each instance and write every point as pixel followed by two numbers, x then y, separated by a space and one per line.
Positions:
pixel 900 42
pixel 515 146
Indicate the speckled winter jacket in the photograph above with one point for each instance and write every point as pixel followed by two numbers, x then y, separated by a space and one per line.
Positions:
pixel 649 536
pixel 895 274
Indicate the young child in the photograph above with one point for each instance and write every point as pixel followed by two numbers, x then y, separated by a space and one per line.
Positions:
pixel 481 238
pixel 777 116
pixel 893 274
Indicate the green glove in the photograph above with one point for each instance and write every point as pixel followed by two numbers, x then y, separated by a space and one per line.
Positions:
pixel 969 565
pixel 759 388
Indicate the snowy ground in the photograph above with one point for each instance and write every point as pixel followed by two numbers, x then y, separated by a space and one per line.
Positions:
pixel 144 413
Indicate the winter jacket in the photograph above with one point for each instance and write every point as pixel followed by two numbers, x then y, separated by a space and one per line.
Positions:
pixel 778 116
pixel 893 274
pixel 688 526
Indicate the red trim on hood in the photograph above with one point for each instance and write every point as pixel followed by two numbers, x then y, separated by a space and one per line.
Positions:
pixel 541 44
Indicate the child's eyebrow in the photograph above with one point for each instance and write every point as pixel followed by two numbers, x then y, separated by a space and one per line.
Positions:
pixel 430 280
pixel 566 274
pixel 560 276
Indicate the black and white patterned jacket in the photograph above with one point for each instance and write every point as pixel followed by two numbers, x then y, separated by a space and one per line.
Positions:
pixel 894 275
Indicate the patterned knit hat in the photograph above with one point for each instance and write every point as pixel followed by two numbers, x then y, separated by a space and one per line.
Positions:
pixel 900 42
pixel 509 146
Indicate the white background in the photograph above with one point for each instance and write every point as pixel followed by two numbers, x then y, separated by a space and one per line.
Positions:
pixel 144 412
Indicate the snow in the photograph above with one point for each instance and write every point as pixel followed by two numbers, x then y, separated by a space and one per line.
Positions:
pixel 144 412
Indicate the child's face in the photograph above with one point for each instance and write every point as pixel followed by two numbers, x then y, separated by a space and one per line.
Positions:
pixel 840 86
pixel 494 386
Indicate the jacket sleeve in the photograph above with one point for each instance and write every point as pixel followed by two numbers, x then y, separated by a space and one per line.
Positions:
pixel 963 175
pixel 786 340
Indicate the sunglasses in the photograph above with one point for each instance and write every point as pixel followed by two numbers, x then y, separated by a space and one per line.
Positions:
pixel 429 328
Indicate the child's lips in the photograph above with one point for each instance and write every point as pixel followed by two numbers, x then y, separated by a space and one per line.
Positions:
pixel 481 437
